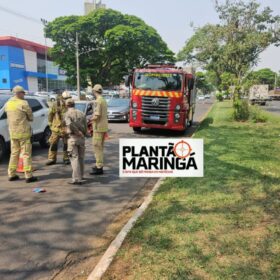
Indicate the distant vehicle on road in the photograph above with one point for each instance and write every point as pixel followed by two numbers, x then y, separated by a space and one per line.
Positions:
pixel 118 109
pixel 200 97
pixel 40 128
pixel 259 94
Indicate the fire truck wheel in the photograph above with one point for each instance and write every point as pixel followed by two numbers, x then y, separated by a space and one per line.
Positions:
pixel 137 129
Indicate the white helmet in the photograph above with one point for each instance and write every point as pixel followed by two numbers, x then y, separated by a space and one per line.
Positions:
pixel 66 95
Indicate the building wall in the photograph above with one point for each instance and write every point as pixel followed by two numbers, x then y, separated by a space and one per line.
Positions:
pixel 4 68
pixel 30 60
pixel 21 67
pixel 31 65
pixel 17 68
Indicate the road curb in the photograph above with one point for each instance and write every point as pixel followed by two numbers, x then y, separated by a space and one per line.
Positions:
pixel 110 253
pixel 203 118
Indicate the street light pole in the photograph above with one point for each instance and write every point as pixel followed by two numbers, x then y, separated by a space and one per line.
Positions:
pixel 46 55
pixel 78 67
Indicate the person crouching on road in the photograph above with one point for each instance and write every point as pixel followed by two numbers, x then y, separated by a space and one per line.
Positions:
pixel 19 116
pixel 57 126
pixel 100 128
pixel 76 128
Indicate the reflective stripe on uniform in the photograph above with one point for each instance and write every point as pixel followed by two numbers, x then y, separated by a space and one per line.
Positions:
pixel 27 168
pixel 20 135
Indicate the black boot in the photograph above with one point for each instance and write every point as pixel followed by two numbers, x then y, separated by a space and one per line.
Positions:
pixel 51 162
pixel 66 162
pixel 97 171
pixel 14 178
pixel 31 180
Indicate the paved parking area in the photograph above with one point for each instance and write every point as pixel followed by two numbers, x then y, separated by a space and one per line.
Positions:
pixel 40 232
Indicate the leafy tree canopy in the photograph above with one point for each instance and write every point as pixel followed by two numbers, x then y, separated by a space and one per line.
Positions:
pixel 261 77
pixel 233 46
pixel 110 44
pixel 203 82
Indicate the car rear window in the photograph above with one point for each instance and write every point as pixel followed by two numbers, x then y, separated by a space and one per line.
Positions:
pixel 34 104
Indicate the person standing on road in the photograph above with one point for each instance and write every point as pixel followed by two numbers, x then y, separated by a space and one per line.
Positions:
pixel 76 128
pixel 100 128
pixel 57 126
pixel 19 115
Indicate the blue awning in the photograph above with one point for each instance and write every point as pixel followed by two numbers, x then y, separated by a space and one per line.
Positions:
pixel 40 75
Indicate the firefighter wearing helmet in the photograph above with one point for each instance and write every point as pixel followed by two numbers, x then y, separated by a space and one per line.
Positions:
pixel 19 115
pixel 100 128
pixel 57 126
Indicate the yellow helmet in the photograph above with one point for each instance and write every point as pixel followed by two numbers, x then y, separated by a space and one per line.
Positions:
pixel 18 89
pixel 98 88
pixel 66 95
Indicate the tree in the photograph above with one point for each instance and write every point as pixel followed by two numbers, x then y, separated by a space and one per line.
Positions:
pixel 261 77
pixel 202 82
pixel 110 44
pixel 233 46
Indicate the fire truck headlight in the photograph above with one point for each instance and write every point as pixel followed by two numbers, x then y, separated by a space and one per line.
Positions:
pixel 134 105
pixel 178 107
pixel 177 116
pixel 134 114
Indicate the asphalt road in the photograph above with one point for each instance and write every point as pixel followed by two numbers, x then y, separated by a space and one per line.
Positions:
pixel 40 232
pixel 273 107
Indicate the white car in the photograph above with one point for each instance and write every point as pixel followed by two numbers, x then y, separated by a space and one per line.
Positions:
pixel 40 128
pixel 200 97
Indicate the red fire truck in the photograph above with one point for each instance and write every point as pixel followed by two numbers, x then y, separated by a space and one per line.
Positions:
pixel 163 96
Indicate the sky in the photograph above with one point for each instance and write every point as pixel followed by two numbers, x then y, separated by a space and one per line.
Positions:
pixel 172 19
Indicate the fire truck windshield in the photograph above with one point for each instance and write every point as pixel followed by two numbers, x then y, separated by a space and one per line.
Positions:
pixel 158 81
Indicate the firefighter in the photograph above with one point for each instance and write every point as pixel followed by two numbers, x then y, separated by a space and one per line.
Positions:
pixel 100 128
pixel 57 126
pixel 19 115
pixel 76 128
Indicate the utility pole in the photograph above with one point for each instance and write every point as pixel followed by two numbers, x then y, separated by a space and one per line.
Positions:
pixel 78 66
pixel 46 55
pixel 276 78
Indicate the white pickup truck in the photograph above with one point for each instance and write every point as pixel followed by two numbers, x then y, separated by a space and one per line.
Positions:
pixel 40 128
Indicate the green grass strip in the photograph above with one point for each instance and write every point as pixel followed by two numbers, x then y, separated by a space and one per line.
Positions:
pixel 222 226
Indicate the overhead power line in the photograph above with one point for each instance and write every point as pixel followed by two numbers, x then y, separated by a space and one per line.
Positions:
pixel 15 13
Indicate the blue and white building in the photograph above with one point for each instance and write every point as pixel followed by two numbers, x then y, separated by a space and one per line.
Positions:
pixel 24 63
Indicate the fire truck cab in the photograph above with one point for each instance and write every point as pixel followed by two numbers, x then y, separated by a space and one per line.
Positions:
pixel 163 97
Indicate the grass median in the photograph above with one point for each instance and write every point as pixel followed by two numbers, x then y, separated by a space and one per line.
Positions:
pixel 222 226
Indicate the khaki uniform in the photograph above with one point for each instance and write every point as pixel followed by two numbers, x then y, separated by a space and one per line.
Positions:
pixel 19 116
pixel 76 122
pixel 100 128
pixel 57 126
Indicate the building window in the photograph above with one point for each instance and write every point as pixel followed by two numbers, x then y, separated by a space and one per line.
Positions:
pixel 4 81
pixel 2 57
